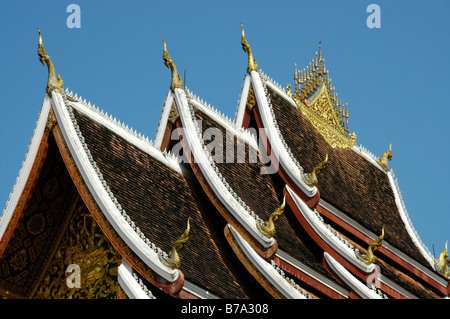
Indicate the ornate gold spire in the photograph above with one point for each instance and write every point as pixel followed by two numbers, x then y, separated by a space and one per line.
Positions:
pixel 385 158
pixel 177 82
pixel 269 226
pixel 441 265
pixel 317 99
pixel 369 258
pixel 311 178
pixel 52 82
pixel 252 64
pixel 173 261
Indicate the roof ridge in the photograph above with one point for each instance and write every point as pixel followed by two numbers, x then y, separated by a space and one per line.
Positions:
pixel 129 130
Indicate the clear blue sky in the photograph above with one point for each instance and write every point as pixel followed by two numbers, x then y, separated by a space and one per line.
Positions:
pixel 395 79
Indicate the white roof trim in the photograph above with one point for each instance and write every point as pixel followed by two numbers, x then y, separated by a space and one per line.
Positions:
pixel 276 278
pixel 278 145
pixel 366 154
pixel 105 200
pixel 128 283
pixel 335 211
pixel 223 191
pixel 198 291
pixel 243 101
pixel 163 120
pixel 330 236
pixel 407 221
pixel 27 164
pixel 312 273
pixel 357 286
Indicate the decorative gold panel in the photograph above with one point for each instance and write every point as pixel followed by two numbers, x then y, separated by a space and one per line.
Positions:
pixel 84 245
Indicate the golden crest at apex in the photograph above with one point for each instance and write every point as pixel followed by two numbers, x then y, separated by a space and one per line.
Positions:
pixel 317 99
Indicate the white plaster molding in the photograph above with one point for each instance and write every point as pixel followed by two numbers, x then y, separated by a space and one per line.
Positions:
pixel 103 197
pixel 279 147
pixel 243 101
pixel 163 120
pixel 312 273
pixel 130 285
pixel 276 277
pixel 357 286
pixel 192 134
pixel 27 164
pixel 198 291
pixel 330 237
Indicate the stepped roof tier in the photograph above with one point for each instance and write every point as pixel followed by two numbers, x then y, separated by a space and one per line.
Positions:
pixel 279 202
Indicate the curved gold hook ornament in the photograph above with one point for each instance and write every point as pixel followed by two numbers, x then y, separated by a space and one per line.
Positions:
pixel 385 158
pixel 173 260
pixel 369 258
pixel 252 64
pixel 441 265
pixel 311 178
pixel 269 226
pixel 44 58
pixel 176 82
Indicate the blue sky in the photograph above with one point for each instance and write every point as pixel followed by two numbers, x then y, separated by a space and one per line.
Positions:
pixel 395 78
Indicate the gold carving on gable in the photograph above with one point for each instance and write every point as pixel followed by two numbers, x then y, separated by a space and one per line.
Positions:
pixel 84 245
pixel 251 100
pixel 173 114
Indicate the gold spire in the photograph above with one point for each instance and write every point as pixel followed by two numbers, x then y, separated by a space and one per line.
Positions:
pixel 441 265
pixel 173 261
pixel 369 258
pixel 387 156
pixel 252 64
pixel 269 227
pixel 311 178
pixel 176 78
pixel 44 58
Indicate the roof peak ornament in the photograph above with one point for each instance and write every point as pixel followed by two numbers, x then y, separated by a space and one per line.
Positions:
pixel 385 158
pixel 176 82
pixel 369 258
pixel 268 229
pixel 173 260
pixel 311 178
pixel 53 83
pixel 252 64
pixel 441 265
pixel 317 99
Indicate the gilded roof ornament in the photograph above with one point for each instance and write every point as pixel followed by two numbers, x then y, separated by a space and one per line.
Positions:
pixel 268 229
pixel 317 99
pixel 369 258
pixel 385 158
pixel 252 64
pixel 441 265
pixel 311 178
pixel 52 83
pixel 173 260
pixel 177 82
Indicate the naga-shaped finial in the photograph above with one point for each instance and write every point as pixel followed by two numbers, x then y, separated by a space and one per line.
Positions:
pixel 176 78
pixel 252 65
pixel 369 258
pixel 441 265
pixel 269 226
pixel 311 178
pixel 173 261
pixel 387 156
pixel 52 82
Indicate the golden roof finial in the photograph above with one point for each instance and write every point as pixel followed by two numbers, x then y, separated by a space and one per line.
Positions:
pixel 252 64
pixel 269 227
pixel 369 258
pixel 176 78
pixel 441 265
pixel 311 178
pixel 387 156
pixel 173 261
pixel 320 52
pixel 44 58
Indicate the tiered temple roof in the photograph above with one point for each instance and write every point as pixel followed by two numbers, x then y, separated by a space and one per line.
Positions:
pixel 279 202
